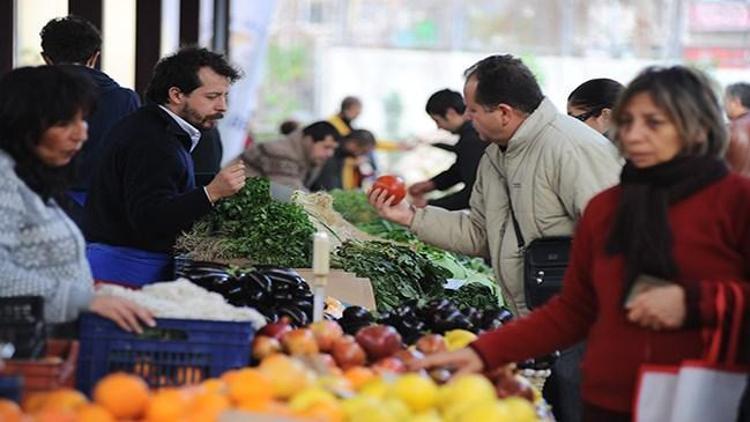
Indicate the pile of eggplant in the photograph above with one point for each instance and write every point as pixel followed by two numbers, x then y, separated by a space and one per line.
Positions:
pixel 412 319
pixel 272 291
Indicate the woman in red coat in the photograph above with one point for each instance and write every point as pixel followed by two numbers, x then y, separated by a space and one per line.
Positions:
pixel 647 254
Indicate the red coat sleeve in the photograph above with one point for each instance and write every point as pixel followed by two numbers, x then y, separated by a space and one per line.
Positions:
pixel 561 322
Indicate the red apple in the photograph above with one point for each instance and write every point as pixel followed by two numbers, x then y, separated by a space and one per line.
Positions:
pixel 326 332
pixel 514 386
pixel 379 341
pixel 389 365
pixel 300 341
pixel 432 343
pixel 264 346
pixel 347 353
pixel 276 329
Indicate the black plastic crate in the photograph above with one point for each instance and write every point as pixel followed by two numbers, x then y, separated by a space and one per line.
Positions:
pixel 22 324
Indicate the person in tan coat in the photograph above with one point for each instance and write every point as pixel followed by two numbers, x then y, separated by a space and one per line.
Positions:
pixel 294 161
pixel 550 164
pixel 737 107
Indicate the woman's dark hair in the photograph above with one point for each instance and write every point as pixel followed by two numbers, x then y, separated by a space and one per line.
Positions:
pixel 180 70
pixel 596 94
pixel 439 103
pixel 32 100
pixel 70 39
pixel 688 98
pixel 505 79
pixel 319 130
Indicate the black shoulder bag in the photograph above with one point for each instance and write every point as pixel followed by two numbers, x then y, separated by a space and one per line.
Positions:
pixel 544 263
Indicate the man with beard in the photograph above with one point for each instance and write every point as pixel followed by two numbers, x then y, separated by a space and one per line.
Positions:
pixel 143 193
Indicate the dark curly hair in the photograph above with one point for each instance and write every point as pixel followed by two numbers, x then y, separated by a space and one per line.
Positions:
pixel 505 79
pixel 180 70
pixel 70 39
pixel 32 100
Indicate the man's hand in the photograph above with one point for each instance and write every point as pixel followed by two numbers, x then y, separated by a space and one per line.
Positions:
pixel 464 361
pixel 659 308
pixel 401 213
pixel 228 182
pixel 421 188
pixel 123 312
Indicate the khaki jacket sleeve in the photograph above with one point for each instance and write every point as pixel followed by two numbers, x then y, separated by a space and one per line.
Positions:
pixel 458 231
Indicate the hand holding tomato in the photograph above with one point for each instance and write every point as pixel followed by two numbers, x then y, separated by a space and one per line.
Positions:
pixel 388 204
pixel 393 185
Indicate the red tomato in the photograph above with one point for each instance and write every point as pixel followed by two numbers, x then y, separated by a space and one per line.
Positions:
pixel 394 185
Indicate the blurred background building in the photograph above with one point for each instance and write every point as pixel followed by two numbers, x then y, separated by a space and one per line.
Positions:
pixel 301 57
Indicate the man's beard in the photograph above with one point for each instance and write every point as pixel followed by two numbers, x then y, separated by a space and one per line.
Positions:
pixel 200 121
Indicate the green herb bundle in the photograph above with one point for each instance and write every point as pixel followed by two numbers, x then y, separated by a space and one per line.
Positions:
pixel 353 206
pixel 397 272
pixel 252 225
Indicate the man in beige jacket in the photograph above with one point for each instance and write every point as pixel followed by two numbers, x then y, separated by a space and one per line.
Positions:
pixel 296 160
pixel 550 163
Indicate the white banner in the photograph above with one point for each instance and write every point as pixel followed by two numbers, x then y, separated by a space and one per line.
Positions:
pixel 248 43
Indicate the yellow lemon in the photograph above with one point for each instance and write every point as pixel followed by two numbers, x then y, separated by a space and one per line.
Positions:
pixel 520 409
pixel 465 389
pixel 418 392
pixel 458 339
pixel 430 416
pixel 376 388
pixel 487 412
pixel 309 397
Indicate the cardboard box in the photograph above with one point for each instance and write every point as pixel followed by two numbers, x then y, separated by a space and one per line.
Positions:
pixel 344 286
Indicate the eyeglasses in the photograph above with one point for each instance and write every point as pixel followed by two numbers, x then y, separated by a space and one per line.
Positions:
pixel 587 115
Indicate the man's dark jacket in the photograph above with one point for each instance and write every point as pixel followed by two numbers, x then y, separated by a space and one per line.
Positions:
pixel 114 102
pixel 143 194
pixel 469 150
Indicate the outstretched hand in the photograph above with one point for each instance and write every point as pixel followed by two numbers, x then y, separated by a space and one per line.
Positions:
pixel 401 213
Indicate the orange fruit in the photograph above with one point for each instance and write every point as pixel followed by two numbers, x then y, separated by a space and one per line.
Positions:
pixel 33 402
pixel 9 411
pixel 214 385
pixel 249 384
pixel 54 415
pixel 125 396
pixel 359 376
pixel 324 411
pixel 287 375
pixel 64 399
pixel 93 413
pixel 207 407
pixel 271 407
pixel 167 405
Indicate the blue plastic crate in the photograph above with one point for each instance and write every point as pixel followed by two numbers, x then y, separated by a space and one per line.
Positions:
pixel 11 387
pixel 175 352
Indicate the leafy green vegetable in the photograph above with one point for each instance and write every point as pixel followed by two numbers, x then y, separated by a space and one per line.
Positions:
pixel 353 206
pixel 252 225
pixel 397 272
pixel 473 295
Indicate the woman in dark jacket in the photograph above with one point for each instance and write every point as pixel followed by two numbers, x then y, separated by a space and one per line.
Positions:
pixel 648 254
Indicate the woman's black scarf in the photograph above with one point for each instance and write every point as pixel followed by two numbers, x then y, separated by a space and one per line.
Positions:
pixel 641 230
